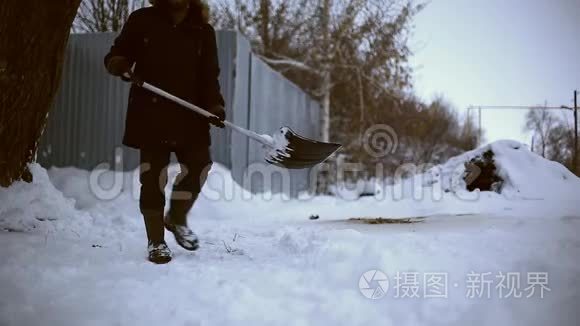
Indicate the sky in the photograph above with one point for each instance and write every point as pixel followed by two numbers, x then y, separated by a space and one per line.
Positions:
pixel 498 52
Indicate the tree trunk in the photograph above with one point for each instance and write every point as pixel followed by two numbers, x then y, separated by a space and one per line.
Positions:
pixel 325 116
pixel 264 25
pixel 34 36
pixel 326 82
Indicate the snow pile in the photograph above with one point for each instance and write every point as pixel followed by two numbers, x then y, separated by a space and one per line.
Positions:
pixel 523 174
pixel 90 188
pixel 39 207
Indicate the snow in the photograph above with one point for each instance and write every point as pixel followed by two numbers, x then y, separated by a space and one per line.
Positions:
pixel 289 62
pixel 525 174
pixel 74 258
pixel 279 145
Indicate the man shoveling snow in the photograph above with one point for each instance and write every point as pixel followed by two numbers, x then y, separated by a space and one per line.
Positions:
pixel 172 45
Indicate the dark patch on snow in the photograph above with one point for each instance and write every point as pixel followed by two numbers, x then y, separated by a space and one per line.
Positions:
pixel 381 220
pixel 44 219
pixel 481 173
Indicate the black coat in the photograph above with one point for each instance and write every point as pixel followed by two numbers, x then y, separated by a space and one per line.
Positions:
pixel 180 59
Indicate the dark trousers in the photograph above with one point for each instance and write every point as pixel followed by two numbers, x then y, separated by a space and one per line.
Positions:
pixel 194 165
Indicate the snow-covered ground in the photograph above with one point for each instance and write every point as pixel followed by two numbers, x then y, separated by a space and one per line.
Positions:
pixel 70 258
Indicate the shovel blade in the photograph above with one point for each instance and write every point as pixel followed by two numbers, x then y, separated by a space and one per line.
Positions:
pixel 300 152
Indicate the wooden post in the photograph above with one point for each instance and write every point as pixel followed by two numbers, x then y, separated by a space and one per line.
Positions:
pixel 480 129
pixel 575 159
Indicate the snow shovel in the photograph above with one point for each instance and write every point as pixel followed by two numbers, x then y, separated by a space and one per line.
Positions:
pixel 286 148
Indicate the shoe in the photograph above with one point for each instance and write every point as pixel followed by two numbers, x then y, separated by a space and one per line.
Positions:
pixel 183 235
pixel 159 253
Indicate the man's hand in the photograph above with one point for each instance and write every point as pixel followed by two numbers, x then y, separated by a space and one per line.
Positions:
pixel 220 112
pixel 119 66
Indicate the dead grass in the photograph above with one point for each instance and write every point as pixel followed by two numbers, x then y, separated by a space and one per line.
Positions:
pixel 382 220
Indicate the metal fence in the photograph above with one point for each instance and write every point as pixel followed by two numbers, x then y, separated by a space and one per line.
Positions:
pixel 86 125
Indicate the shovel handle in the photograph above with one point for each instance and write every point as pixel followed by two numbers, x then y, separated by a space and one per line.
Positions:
pixel 135 80
pixel 213 119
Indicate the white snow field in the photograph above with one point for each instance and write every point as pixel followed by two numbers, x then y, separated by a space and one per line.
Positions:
pixel 70 258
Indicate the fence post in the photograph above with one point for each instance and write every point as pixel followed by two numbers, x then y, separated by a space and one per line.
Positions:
pixel 480 135
pixel 575 160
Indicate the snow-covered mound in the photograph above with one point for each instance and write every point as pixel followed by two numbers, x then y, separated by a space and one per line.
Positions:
pixel 39 207
pixel 77 203
pixel 520 173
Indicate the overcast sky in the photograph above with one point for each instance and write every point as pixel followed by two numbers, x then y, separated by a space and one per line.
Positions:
pixel 498 52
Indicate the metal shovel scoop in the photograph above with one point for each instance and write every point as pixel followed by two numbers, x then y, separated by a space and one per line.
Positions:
pixel 286 148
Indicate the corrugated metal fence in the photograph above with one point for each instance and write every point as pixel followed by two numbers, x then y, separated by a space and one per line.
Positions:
pixel 86 125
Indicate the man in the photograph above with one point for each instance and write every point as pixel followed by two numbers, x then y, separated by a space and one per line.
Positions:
pixel 173 47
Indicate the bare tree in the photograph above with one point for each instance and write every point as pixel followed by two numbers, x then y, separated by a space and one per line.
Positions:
pixel 431 133
pixel 34 37
pixel 560 144
pixel 104 15
pixel 540 121
pixel 322 44
pixel 553 136
pixel 352 55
